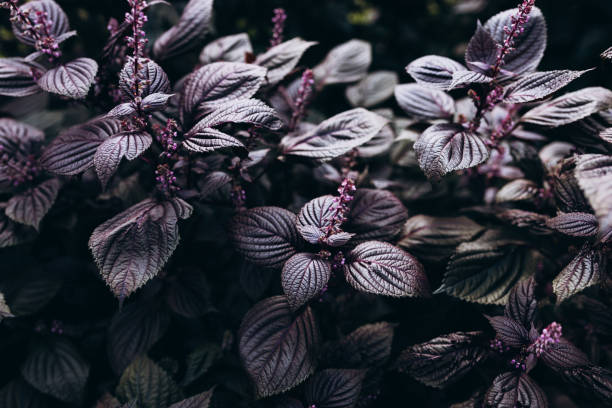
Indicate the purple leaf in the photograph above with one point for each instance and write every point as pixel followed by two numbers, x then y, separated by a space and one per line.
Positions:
pixel 188 32
pixel 155 101
pixel 421 102
pixel 538 85
pixel 607 54
pixel 509 331
pixel 134 330
pixel 276 347
pixel 54 13
pixel 373 89
pixel 232 48
pixel 339 239
pixel 304 276
pixel 594 175
pixel 153 78
pixel 30 206
pixel 380 268
pixel 201 400
pixel 515 389
pixel 522 303
pixel 376 215
pixel 366 347
pixel 606 135
pixel 219 83
pixel 583 271
pixel 570 107
pixel 379 144
pixel 443 360
pixel 72 79
pixel 528 47
pixel 205 140
pixel 531 221
pixel 564 355
pixel 18 138
pixel 16 78
pixel 315 216
pixel 335 388
pixel 335 136
pixel 575 224
pixel 435 238
pixel 188 294
pixel 73 151
pixel 462 79
pixel 595 380
pixel 434 71
pixel 122 110
pixel 212 182
pixel 481 50
pixel 281 59
pixel 568 194
pixel 109 154
pixel 148 383
pixel 517 190
pixel 348 62
pixel 12 233
pixel 265 236
pixel 132 247
pixel 448 147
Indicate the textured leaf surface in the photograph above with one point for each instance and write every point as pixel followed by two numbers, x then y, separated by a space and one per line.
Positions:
pixel 32 205
pixel 375 215
pixel 373 89
pixel 112 150
pixel 314 217
pixel 188 32
pixel 55 16
pixel 380 268
pixel 231 48
pixel 304 276
pixel 336 135
pixel 153 78
pixel 132 247
pixel 435 238
pixel 421 102
pixel 444 148
pixel 570 107
pixel 539 85
pixel 434 71
pixel 16 78
pixel 335 388
pixel 72 79
pixel 201 400
pixel 575 224
pixel 348 62
pixel 594 175
pixel 281 59
pixel 56 368
pixel 517 190
pixel 583 271
pixel 509 331
pixel 443 360
pixel 596 380
pixel 564 355
pixel 522 303
pixel 513 389
pixel 481 50
pixel 277 348
pixel 265 236
pixel 147 383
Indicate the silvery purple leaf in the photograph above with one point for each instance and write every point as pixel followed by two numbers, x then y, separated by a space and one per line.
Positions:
pixel 134 245
pixel 153 78
pixel 206 140
pixel 443 148
pixel 594 175
pixel 570 107
pixel 134 330
pixel 373 89
pixel 382 269
pixel 515 389
pixel 435 238
pixel 606 135
pixel 334 388
pixel 462 79
pixel 315 216
pixel 201 400
pixel 575 224
pixel 335 136
pixel 16 78
pixel 481 51
pixel 424 103
pixel 532 221
pixel 281 59
pixel 265 236
pixel 538 85
pixel 188 32
pixel 564 355
pixel 219 83
pixel 607 54
pixel 348 62
pixel 73 151
pixel 375 215
pixel 528 47
pixel 276 347
pixel 55 15
pixel 122 110
pixel 303 277
pixel 522 303
pixel 13 233
pixel 18 138
pixel 583 271
pixel 109 154
pixel 30 206
pixel 434 71
pixel 517 190
pixel 443 360
pixel 155 101
pixel 509 331
pixel 72 79
pixel 379 144
pixel 339 239
pixel 232 48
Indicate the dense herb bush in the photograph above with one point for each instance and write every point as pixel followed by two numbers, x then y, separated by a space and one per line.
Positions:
pixel 216 239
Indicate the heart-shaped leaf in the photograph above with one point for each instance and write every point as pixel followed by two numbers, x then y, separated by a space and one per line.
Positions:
pixel 481 51
pixel 522 303
pixel 30 206
pixel 281 59
pixel 72 79
pixel 375 215
pixel 509 331
pixel 348 62
pixel 304 276
pixel 315 216
pixel 152 77
pixel 434 71
pixel 513 389
pixel 583 271
pixel 421 102
pixel 110 153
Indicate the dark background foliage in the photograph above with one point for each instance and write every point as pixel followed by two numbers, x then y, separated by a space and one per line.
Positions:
pixel 400 31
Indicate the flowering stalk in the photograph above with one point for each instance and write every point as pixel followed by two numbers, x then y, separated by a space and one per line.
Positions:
pixel 166 180
pixel 550 335
pixel 279 26
pixel 18 171
pixel 303 97
pixel 138 41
